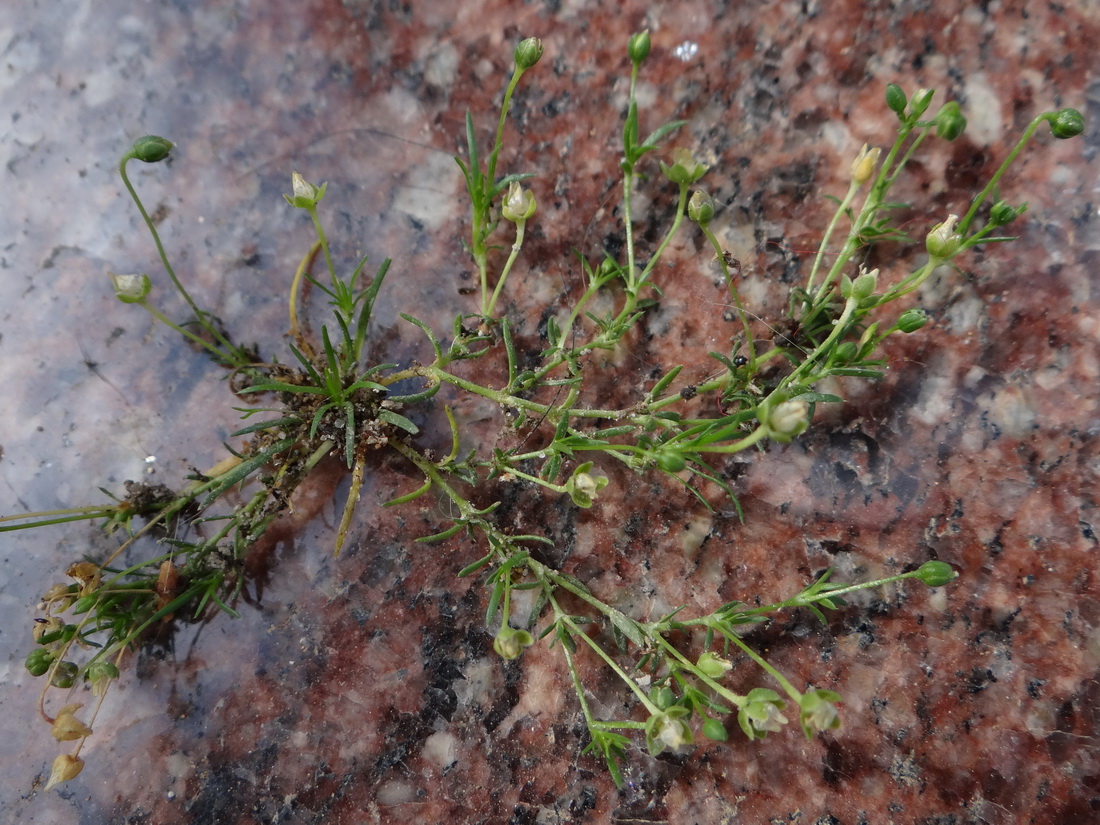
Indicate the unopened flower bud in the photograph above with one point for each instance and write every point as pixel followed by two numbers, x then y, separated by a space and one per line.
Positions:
pixel 304 195
pixel 700 208
pixel 920 101
pixel 846 353
pixel 131 289
pixel 64 768
pixel 713 665
pixel 1002 213
pixel 685 169
pixel 895 98
pixel 671 461
pixel 864 164
pixel 519 204
pixel 911 320
pixel 942 242
pixel 714 730
pixel 936 573
pixel 1067 123
pixel 66 727
pixel 151 149
pixel 528 52
pixel 864 286
pixel 638 48
pixel 950 122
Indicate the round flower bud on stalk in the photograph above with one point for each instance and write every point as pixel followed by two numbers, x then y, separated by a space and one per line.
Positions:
pixel 936 573
pixel 304 194
pixel 519 204
pixel 671 461
pixel 895 98
pixel 151 149
pixel 920 101
pixel 700 208
pixel 942 242
pixel 1067 123
pixel 39 661
pixel 846 353
pixel 713 665
pixel 528 52
pixel 863 167
pixel 911 320
pixel 864 286
pixel 950 122
pixel 638 48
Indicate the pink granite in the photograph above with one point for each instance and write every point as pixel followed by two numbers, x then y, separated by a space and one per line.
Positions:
pixel 365 689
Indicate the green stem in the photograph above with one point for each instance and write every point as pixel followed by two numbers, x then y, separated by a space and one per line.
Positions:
pixel 200 316
pixel 313 216
pixel 788 688
pixel 727 694
pixel 611 663
pixel 853 188
pixel 720 255
pixel 164 319
pixel 964 224
pixel 487 311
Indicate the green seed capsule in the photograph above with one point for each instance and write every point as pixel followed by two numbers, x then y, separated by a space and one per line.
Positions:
pixel 65 675
pixel 911 320
pixel 151 148
pixel 950 122
pixel 936 573
pixel 1067 123
pixel 39 661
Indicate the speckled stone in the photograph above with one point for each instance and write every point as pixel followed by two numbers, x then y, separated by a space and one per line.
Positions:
pixel 365 689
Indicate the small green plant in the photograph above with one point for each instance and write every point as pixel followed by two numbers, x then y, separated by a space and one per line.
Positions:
pixel 331 398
